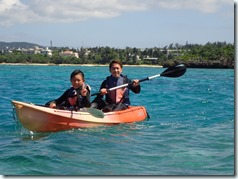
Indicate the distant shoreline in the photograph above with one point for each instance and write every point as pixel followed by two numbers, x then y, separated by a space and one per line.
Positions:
pixel 51 64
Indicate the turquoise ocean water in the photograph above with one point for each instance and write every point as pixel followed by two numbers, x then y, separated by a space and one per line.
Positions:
pixel 190 130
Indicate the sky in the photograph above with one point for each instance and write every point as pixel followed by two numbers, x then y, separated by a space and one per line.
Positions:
pixel 116 23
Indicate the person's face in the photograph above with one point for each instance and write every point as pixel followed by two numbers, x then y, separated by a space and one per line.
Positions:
pixel 77 81
pixel 116 70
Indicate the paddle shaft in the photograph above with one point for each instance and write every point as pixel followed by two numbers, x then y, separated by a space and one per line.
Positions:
pixel 127 84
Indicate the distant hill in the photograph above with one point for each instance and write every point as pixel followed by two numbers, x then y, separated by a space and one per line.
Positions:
pixel 15 45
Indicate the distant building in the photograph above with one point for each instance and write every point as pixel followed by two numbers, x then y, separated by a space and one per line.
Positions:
pixel 37 50
pixel 151 58
pixel 46 51
pixel 69 53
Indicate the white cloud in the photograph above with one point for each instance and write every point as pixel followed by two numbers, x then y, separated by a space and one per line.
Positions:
pixel 205 6
pixel 54 11
pixel 13 11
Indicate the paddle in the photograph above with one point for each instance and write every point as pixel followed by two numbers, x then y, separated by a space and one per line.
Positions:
pixel 173 72
pixel 93 111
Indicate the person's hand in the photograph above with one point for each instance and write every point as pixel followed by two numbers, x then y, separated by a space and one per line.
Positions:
pixel 135 83
pixel 84 91
pixel 52 105
pixel 103 91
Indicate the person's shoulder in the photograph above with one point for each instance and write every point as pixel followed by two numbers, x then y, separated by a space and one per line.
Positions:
pixel 70 89
pixel 106 79
pixel 124 76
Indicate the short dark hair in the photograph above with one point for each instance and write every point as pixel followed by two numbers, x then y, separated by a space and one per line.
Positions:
pixel 115 61
pixel 76 72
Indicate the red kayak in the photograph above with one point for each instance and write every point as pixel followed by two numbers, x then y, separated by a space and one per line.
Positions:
pixel 43 119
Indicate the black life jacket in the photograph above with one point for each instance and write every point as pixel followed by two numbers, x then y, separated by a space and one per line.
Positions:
pixel 120 95
pixel 79 99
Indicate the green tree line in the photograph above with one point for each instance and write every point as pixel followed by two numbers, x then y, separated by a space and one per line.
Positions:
pixel 210 55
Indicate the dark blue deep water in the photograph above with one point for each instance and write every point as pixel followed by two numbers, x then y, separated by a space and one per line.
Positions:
pixel 190 130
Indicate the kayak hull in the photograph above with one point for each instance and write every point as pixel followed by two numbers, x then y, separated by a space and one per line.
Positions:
pixel 43 119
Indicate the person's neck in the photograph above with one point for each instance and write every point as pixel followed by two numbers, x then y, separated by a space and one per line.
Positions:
pixel 116 77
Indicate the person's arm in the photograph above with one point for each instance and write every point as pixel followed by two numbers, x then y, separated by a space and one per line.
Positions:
pixel 86 99
pixel 103 90
pixel 134 86
pixel 59 100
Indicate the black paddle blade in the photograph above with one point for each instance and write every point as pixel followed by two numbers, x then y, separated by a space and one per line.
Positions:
pixel 174 71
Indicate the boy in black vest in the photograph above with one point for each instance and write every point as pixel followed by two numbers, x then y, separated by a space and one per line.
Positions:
pixel 116 99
